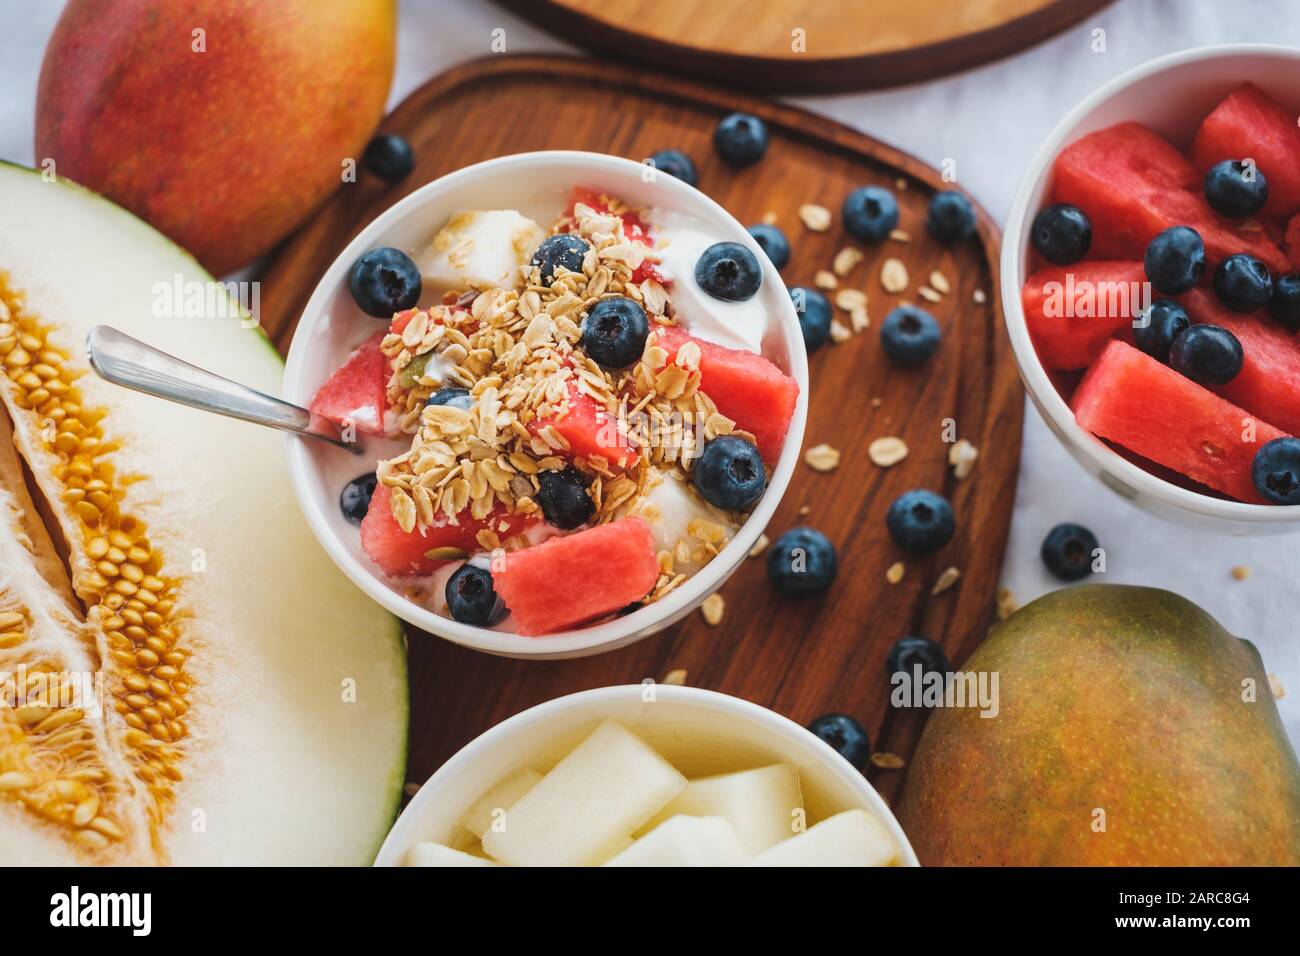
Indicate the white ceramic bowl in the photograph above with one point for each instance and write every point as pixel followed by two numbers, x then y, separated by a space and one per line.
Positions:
pixel 1172 95
pixel 698 731
pixel 537 184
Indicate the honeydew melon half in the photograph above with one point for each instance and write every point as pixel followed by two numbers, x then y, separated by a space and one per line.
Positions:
pixel 254 702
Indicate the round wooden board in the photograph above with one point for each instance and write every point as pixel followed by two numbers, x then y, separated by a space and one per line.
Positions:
pixel 797 46
pixel 802 658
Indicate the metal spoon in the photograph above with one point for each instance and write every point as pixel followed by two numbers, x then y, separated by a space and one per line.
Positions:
pixel 128 362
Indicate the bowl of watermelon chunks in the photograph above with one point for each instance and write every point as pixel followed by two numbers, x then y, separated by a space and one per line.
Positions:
pixel 580 388
pixel 1151 277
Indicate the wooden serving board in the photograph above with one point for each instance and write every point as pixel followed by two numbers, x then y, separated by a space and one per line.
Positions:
pixel 843 44
pixel 802 658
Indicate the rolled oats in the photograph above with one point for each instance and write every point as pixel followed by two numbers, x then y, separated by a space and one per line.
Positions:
pixel 815 217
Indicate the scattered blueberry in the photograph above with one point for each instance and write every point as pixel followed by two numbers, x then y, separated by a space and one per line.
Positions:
pixel 355 499
pixel 564 499
pixel 740 139
pixel 773 243
pixel 452 396
pixel 920 521
pixel 385 281
pixel 1243 283
pixel 846 737
pixel 1276 471
pixel 1062 234
pixel 728 270
pixel 471 598
pixel 1206 354
pixel 1285 304
pixel 909 335
pixel 562 249
pixel 910 651
pixel 802 563
pixel 814 311
pixel 729 473
pixel 1165 320
pixel 870 213
pixel 1068 551
pixel 615 331
pixel 1235 189
pixel 951 218
pixel 1175 260
pixel 676 164
pixel 389 157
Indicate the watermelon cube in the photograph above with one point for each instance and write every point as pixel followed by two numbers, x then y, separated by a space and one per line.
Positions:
pixel 1073 311
pixel 400 553
pixel 1131 399
pixel 1293 241
pixel 1269 381
pixel 356 393
pixel 577 578
pixel 746 387
pixel 1250 124
pixel 1133 185
pixel 589 430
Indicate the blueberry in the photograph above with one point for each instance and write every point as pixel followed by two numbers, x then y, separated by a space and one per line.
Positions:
pixel 615 331
pixel 802 563
pixel 870 213
pixel 1285 304
pixel 1175 260
pixel 471 598
pixel 728 270
pixel 562 249
pixel 389 157
pixel 1062 234
pixel 564 499
pixel 951 218
pixel 1276 471
pixel 920 521
pixel 908 652
pixel 773 243
pixel 1235 189
pixel 729 473
pixel 676 164
pixel 1068 551
pixel 452 396
pixel 909 335
pixel 1243 283
pixel 385 281
pixel 1206 354
pixel 846 737
pixel 740 139
pixel 814 311
pixel 355 499
pixel 1165 320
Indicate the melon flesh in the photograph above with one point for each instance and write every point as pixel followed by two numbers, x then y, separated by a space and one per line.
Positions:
pixel 493 804
pixel 686 841
pixel 1250 124
pixel 1131 399
pixel 851 838
pixel 586 808
pixel 1073 311
pixel 356 394
pixel 435 854
pixel 589 431
pixel 272 693
pixel 762 805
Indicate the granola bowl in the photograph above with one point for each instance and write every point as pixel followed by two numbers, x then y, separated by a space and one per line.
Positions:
pixel 538 186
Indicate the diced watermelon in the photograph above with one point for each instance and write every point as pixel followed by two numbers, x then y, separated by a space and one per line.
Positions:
pixel 1145 406
pixel 1133 185
pixel 1269 381
pixel 1293 241
pixel 1249 124
pixel 579 577
pixel 356 392
pixel 1088 302
pixel 589 430
pixel 746 387
pixel 400 553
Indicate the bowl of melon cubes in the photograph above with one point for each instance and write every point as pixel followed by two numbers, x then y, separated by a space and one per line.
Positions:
pixel 647 775
pixel 1151 277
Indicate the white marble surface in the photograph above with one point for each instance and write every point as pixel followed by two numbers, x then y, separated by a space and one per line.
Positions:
pixel 990 120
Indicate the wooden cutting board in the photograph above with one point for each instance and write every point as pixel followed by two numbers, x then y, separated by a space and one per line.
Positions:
pixel 802 658
pixel 798 46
